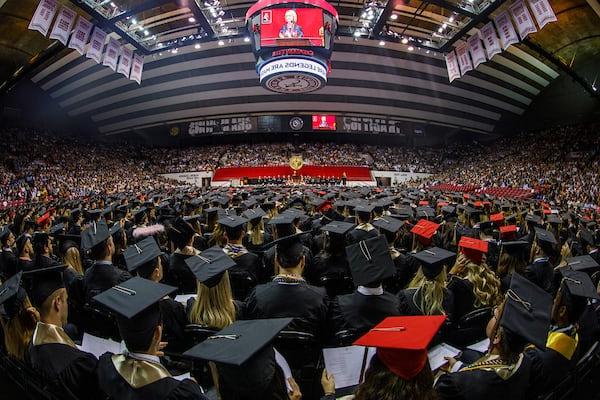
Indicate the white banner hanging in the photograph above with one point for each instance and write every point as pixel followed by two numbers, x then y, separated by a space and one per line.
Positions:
pixel 42 18
pixel 96 45
pixel 476 50
pixel 507 32
pixel 63 25
pixel 80 35
pixel 137 66
pixel 490 40
pixel 542 12
pixel 111 55
pixel 125 61
pixel 464 62
pixel 452 66
pixel 522 18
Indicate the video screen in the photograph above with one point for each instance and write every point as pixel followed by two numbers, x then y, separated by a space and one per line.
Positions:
pixel 295 27
pixel 323 122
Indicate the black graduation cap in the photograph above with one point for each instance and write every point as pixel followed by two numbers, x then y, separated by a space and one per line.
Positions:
pixel 254 213
pixel 94 234
pixel 426 212
pixel 232 221
pixel 222 201
pixel 543 235
pixel 115 228
pixel 93 214
pixel 364 208
pixel 43 282
pixel 448 209
pixel 554 219
pixel 587 237
pixel 517 248
pixel 471 211
pixel 141 253
pixel 433 260
pixel 338 227
pixel 39 238
pixel 282 219
pixel 56 229
pixel 582 263
pixel 370 261
pixel 536 219
pixel 12 295
pixel 238 342
pixel 391 225
pixel 210 265
pixel 527 311
pixel 4 232
pixel 579 283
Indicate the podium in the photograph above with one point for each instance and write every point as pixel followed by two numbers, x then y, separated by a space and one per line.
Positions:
pixel 293 42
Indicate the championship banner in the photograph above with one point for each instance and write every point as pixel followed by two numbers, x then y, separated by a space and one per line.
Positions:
pixel 476 50
pixel 522 18
pixel 63 25
pixel 111 55
pixel 542 12
pixel 96 45
pixel 507 32
pixel 490 40
pixel 464 61
pixel 42 18
pixel 125 61
pixel 452 66
pixel 80 36
pixel 137 66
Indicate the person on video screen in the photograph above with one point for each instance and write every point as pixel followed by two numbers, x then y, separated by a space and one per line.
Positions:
pixel 291 29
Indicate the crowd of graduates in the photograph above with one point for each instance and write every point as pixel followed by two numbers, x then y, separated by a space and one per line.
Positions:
pixel 298 270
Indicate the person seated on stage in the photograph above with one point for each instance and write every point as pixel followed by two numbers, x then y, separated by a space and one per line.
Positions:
pixel 288 294
pixel 213 306
pixel 503 373
pixel 247 263
pixel 364 230
pixel 426 294
pixel 541 270
pixel 102 274
pixel 370 264
pixel 400 367
pixel 331 261
pixel 18 317
pixel 561 352
pixel 51 351
pixel 513 258
pixel 137 373
pixel 243 361
pixel 144 260
pixel 181 234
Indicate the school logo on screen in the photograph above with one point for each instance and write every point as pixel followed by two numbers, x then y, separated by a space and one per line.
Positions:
pixel 296 123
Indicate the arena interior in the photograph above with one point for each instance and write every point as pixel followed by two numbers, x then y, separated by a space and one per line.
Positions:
pixel 299 199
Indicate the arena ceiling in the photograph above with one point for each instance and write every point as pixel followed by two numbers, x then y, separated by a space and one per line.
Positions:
pixel 388 60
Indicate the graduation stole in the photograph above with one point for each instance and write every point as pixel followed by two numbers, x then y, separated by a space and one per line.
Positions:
pixel 563 343
pixel 51 334
pixel 367 227
pixel 235 250
pixel 138 373
pixel 493 363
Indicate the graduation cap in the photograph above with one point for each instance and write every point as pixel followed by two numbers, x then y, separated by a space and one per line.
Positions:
pixel 239 342
pixel 56 229
pixel 364 208
pixel 544 236
pixel 517 248
pixel 497 218
pixel 449 209
pixel 508 231
pixel 338 227
pixel 141 253
pixel 370 261
pixel 527 311
pixel 471 212
pixel 210 265
pixel 253 214
pixel 94 234
pixel 402 342
pixel 473 248
pixel 282 219
pixel 289 248
pixel 4 232
pixel 554 219
pixel 12 296
pixel 433 260
pixel 426 212
pixel 425 229
pixel 390 225
pixel 232 222
pixel 582 263
pixel 115 228
pixel 587 237
pixel 535 219
pixel 579 284
pixel 43 282
pixel 39 238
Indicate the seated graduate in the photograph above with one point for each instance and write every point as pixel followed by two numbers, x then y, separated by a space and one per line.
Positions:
pixel 144 259
pixel 424 235
pixel 331 261
pixel 256 235
pixel 512 258
pixel 288 294
pixel 370 264
pixel 102 275
pixel 51 351
pixel 426 294
pixel 8 259
pixel 247 263
pixel 138 373
pixel 244 361
pixel 541 270
pixel 213 306
pixel 400 367
pixel 181 234
pixel 504 373
pixel 43 250
pixel 364 230
pixel 552 363
pixel 25 253
pixel 17 316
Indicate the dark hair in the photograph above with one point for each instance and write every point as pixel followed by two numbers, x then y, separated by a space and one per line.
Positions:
pixel 575 305
pixel 138 332
pixel 364 216
pixel 382 384
pixel 99 251
pixel 146 269
pixel 234 233
pixel 511 344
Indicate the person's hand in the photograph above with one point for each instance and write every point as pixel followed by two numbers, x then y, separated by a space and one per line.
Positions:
pixel 451 362
pixel 328 383
pixel 161 346
pixel 295 393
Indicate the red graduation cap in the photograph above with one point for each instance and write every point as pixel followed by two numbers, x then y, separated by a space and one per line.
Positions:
pixel 497 218
pixel 466 196
pixel 478 204
pixel 43 219
pixel 508 232
pixel 425 229
pixel 442 203
pixel 402 342
pixel 473 248
pixel 423 203
pixel 547 211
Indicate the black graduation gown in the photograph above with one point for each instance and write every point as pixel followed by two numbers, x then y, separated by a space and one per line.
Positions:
pixel 462 292
pixel 310 273
pixel 409 300
pixel 406 269
pixel 101 277
pixel 306 303
pixel 179 275
pixel 327 265
pixel 174 321
pixel 8 264
pixel 166 388
pixel 360 312
pixel 483 380
pixel 70 370
pixel 248 263
pixel 357 234
pixel 541 273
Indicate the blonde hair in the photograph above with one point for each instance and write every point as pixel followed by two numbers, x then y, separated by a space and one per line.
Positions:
pixel 293 14
pixel 214 305
pixel 486 285
pixel 218 237
pixel 19 330
pixel 257 232
pixel 73 259
pixel 432 292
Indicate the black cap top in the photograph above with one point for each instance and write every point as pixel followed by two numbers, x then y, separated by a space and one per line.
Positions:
pixel 516 248
pixel 4 231
pixel 141 253
pixel 425 212
pixel 12 296
pixel 370 261
pixel 449 209
pixel 433 260
pixel 527 311
pixel 579 283
pixel 338 227
pixel 282 219
pixel 232 221
pixel 94 234
pixel 587 237
pixel 536 219
pixel 254 214
pixel 389 224
pixel 43 282
pixel 364 208
pixel 210 265
pixel 554 219
pixel 543 235
pixel 582 263
pixel 238 342
pixel 57 229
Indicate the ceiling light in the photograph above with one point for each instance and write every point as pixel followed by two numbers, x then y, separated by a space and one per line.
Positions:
pixel 160 45
pixel 394 17
pixel 134 21
pixel 444 25
pixel 174 51
pixel 246 39
pixel 146 33
pixel 427 52
pixel 113 4
pixel 197 46
pixel 356 33
pixel 221 43
pixel 191 19
pixel 382 43
pixel 440 30
pixel 451 19
pixel 404 40
pixel 410 48
pixel 160 54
